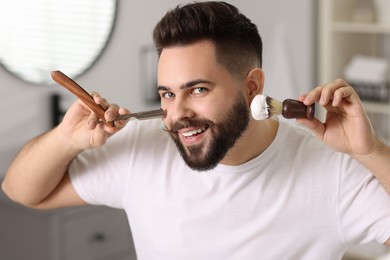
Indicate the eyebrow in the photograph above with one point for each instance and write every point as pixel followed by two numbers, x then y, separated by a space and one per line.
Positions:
pixel 186 85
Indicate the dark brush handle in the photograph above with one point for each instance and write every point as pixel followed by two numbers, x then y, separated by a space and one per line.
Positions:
pixel 296 109
pixel 79 92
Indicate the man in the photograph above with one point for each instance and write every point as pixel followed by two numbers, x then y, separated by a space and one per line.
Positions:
pixel 218 184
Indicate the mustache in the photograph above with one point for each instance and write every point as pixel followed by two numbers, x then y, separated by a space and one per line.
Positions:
pixel 190 122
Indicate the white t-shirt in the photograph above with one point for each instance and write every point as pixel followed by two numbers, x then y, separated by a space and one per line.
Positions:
pixel 297 200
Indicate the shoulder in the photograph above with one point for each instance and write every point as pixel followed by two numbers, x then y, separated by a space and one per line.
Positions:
pixel 144 127
pixel 145 138
pixel 295 136
pixel 300 149
pixel 304 148
pixel 140 131
pixel 137 139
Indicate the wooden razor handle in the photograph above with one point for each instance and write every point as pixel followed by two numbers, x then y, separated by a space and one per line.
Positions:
pixel 79 92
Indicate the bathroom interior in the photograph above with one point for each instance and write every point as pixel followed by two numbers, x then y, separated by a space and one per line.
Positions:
pixel 106 46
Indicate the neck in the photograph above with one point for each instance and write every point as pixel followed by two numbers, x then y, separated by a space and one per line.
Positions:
pixel 255 140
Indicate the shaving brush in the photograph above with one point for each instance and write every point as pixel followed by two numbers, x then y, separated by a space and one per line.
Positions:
pixel 263 107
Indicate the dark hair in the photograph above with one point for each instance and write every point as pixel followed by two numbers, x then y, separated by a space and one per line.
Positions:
pixel 237 40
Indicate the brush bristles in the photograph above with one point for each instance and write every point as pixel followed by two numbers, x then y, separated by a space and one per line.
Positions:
pixel 275 107
pixel 264 107
pixel 259 107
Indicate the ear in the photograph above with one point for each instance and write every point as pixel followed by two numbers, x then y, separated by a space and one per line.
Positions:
pixel 254 82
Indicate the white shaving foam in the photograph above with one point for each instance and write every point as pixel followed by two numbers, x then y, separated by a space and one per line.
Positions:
pixel 259 107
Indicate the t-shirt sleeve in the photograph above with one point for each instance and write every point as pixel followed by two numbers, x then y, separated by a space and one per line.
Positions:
pixel 364 205
pixel 99 175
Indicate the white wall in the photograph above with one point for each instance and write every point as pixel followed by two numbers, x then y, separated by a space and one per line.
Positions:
pixel 24 107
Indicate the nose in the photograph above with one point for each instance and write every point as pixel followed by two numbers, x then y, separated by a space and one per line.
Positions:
pixel 178 109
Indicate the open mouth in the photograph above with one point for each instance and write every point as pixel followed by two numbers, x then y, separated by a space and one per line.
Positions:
pixel 194 132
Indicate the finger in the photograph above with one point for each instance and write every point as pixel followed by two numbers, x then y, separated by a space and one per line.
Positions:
pixel 123 111
pixel 301 98
pixel 345 93
pixel 329 91
pixel 324 94
pixel 122 123
pixel 93 121
pixel 99 100
pixel 111 112
pixel 96 96
pixel 313 96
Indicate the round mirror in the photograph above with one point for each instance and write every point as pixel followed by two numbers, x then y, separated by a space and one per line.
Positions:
pixel 39 36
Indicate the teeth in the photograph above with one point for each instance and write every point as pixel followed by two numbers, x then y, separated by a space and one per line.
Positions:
pixel 194 132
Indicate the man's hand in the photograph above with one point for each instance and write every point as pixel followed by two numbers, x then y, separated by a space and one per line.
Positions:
pixel 346 128
pixel 83 128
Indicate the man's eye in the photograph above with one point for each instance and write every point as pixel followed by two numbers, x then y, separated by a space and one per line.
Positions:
pixel 168 95
pixel 199 90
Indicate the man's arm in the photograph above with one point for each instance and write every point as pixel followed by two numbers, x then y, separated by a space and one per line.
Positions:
pixel 347 128
pixel 38 175
pixel 39 169
pixel 378 162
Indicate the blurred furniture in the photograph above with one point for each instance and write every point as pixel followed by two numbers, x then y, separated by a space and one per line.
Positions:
pixel 349 28
pixel 80 233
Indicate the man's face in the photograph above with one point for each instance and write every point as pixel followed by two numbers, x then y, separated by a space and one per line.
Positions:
pixel 206 111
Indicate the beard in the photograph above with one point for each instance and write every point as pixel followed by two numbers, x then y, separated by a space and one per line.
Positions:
pixel 225 133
